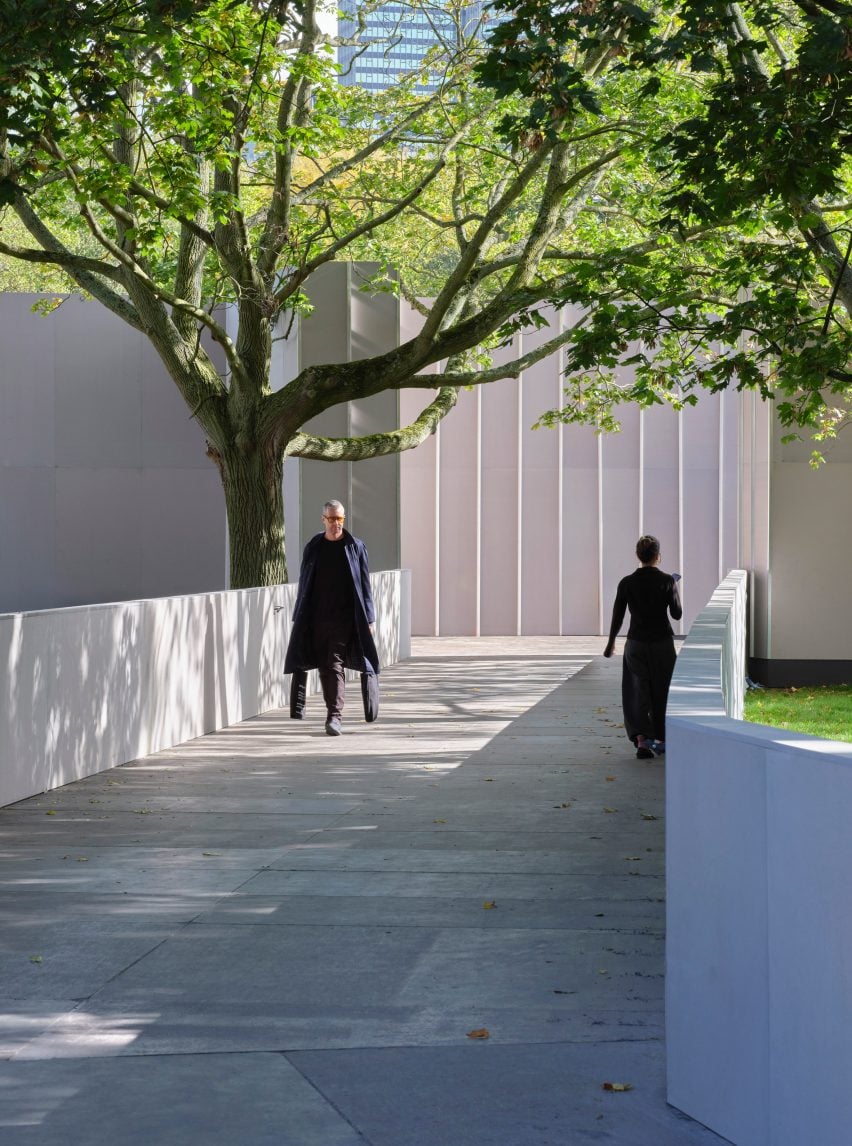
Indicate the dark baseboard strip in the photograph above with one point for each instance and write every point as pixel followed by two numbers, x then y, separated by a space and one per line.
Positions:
pixel 784 674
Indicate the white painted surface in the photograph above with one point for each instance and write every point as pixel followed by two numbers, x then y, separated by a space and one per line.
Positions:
pixel 510 530
pixel 88 688
pixel 106 492
pixel 759 932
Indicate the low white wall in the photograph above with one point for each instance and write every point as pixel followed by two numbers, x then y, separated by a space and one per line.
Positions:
pixel 759 932
pixel 92 687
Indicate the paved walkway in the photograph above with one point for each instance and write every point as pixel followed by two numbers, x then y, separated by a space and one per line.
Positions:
pixel 268 936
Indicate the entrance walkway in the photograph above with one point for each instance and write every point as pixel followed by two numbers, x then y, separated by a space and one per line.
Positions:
pixel 269 937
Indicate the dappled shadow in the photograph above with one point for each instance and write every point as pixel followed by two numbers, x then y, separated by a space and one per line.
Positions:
pixel 92 687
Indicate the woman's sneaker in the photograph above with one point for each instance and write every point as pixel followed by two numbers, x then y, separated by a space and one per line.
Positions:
pixel 659 747
pixel 643 749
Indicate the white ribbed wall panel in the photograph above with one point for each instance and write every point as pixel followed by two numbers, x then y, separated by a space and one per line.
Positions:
pixel 510 530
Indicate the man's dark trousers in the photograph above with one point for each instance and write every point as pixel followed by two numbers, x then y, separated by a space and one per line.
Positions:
pixel 330 637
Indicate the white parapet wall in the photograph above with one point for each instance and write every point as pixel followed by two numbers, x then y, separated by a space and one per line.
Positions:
pixel 759 929
pixel 88 688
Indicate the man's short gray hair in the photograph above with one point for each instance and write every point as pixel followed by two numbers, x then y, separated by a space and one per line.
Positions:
pixel 334 504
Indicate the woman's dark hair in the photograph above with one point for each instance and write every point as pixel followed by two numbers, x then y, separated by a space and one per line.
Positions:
pixel 647 548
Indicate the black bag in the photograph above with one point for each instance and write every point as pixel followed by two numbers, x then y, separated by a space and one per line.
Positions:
pixel 298 694
pixel 370 695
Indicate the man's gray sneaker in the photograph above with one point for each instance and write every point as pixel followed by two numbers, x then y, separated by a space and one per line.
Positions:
pixel 332 726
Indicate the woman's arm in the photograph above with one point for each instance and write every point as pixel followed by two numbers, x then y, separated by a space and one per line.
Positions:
pixel 675 607
pixel 619 608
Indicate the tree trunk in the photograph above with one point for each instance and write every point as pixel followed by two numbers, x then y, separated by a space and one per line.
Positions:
pixel 255 506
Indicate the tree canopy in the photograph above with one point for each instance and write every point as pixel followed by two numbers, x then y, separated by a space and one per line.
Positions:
pixel 760 161
pixel 637 163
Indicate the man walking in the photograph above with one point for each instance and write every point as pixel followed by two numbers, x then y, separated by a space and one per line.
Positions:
pixel 333 620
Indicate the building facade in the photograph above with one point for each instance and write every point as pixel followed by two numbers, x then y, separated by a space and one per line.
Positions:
pixel 396 39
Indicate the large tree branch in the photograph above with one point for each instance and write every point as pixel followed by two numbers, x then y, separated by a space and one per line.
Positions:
pixel 192 252
pixel 135 273
pixel 551 211
pixel 293 110
pixel 458 379
pixel 65 259
pixel 466 264
pixel 363 154
pixel 365 228
pixel 90 282
pixel 377 445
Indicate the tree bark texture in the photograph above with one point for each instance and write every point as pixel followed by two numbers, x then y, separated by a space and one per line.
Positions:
pixel 254 503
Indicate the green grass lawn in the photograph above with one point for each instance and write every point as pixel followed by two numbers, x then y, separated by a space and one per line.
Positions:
pixel 825 710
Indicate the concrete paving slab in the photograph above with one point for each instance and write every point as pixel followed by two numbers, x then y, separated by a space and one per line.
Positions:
pixel 409 967
pixel 234 804
pixel 217 1100
pixel 602 913
pixel 71 960
pixel 443 838
pixel 121 828
pixel 342 912
pixel 476 885
pixel 322 857
pixel 42 907
pixel 22 1021
pixel 485 1094
pixel 249 1026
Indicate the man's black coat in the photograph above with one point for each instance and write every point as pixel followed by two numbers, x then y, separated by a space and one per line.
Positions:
pixel 361 654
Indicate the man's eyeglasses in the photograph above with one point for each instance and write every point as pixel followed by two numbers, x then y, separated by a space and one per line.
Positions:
pixel 333 520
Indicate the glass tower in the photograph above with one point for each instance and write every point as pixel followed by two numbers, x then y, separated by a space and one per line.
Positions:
pixel 395 40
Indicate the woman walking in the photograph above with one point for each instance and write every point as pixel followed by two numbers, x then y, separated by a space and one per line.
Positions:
pixel 649 652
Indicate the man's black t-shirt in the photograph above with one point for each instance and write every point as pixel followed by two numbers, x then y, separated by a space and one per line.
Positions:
pixel 331 592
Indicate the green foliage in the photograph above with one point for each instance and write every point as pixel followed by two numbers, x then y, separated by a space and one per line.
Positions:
pixel 746 145
pixel 672 175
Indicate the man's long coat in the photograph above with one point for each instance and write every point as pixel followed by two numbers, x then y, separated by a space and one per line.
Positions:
pixel 361 653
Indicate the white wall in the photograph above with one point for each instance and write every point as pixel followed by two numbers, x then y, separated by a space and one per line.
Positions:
pixel 86 689
pixel 798 549
pixel 106 492
pixel 759 932
pixel 510 530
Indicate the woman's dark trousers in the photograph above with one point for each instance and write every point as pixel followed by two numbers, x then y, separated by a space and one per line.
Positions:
pixel 646 675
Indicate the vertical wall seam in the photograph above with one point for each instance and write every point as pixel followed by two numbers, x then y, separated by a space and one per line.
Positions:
pixel 436 530
pixel 601 628
pixel 721 486
pixel 767 502
pixel 478 484
pixel 519 560
pixel 349 481
pixel 680 550
pixel 560 499
pixel 641 473
pixel 752 540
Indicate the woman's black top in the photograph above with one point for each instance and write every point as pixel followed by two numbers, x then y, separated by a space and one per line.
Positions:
pixel 651 596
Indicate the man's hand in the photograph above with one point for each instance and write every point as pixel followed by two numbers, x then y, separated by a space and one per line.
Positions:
pixel 608 651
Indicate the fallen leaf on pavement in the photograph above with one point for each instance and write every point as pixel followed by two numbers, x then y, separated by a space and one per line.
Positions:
pixel 620 1086
pixel 482 1033
pixel 489 903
